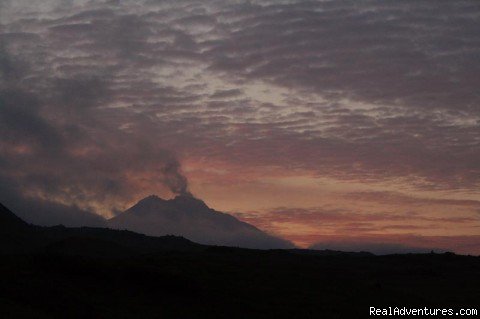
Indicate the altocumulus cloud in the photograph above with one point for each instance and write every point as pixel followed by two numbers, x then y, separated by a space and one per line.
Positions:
pixel 97 97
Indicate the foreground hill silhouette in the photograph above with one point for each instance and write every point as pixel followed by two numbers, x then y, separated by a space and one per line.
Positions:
pixel 59 272
pixel 190 217
pixel 9 222
pixel 19 236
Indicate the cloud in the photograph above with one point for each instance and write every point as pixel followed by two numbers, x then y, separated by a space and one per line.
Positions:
pixel 398 198
pixel 60 154
pixel 353 220
pixel 38 211
pixel 380 53
pixel 226 93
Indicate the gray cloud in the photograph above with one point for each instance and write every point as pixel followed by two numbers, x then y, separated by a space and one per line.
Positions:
pixel 64 155
pixel 412 54
pixel 39 211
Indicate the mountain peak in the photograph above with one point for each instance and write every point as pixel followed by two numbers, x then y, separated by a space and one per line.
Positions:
pixel 150 202
pixel 151 198
pixel 187 216
pixel 183 202
pixel 188 202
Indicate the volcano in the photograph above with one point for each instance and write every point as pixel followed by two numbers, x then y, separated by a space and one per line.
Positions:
pixel 191 218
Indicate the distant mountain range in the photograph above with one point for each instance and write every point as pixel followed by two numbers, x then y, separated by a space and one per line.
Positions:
pixel 190 217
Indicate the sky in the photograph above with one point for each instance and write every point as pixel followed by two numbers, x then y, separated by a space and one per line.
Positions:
pixel 333 124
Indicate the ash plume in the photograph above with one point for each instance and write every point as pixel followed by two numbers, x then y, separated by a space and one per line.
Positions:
pixel 174 179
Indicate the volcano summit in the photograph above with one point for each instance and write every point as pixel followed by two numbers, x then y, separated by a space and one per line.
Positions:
pixel 190 217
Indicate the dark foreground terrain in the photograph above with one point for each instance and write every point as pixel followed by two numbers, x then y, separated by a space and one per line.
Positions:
pixel 98 273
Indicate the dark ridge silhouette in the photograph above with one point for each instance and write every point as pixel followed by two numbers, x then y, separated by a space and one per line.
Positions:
pixel 20 237
pixel 190 217
pixel 61 272
pixel 88 247
pixel 15 234
pixel 9 222
pixel 136 242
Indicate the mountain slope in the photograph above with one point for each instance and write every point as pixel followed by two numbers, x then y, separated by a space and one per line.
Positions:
pixel 15 234
pixel 9 222
pixel 190 217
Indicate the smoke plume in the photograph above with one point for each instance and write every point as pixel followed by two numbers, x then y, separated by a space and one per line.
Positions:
pixel 174 179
